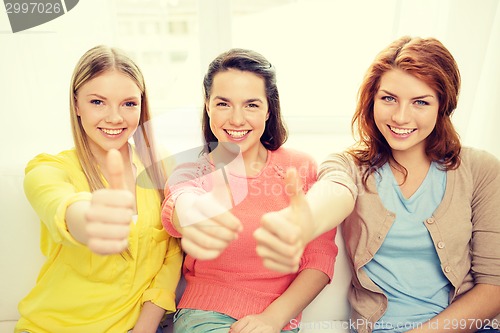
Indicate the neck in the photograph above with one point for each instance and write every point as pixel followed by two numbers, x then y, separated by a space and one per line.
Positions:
pixel 415 169
pixel 248 163
pixel 411 160
pixel 256 162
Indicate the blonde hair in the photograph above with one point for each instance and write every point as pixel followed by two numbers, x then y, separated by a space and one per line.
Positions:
pixel 94 62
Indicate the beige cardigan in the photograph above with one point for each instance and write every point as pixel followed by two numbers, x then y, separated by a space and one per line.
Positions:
pixel 465 228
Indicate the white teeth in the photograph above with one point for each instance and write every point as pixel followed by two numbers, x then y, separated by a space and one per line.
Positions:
pixel 112 131
pixel 237 134
pixel 401 131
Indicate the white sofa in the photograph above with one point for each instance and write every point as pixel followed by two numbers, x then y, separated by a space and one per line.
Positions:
pixel 20 261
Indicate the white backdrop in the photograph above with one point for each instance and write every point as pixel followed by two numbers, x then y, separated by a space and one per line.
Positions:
pixel 321 49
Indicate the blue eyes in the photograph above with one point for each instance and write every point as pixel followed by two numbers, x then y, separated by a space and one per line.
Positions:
pixel 131 104
pixel 126 104
pixel 388 99
pixel 225 105
pixel 391 99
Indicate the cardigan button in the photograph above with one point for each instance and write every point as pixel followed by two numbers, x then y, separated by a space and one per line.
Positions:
pixel 430 220
pixel 447 269
pixel 440 245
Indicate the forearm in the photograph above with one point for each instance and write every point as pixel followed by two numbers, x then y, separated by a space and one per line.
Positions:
pixel 302 291
pixel 330 204
pixel 149 319
pixel 184 202
pixel 470 312
pixel 75 220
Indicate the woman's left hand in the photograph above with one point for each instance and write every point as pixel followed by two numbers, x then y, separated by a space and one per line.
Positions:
pixel 258 323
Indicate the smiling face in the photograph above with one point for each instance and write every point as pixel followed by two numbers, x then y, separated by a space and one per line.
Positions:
pixel 109 107
pixel 238 110
pixel 405 112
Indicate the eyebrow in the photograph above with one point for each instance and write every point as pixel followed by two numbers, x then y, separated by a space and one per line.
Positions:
pixel 417 97
pixel 104 98
pixel 250 100
pixel 97 95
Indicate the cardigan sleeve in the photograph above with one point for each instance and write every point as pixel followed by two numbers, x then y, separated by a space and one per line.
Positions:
pixel 341 169
pixel 485 207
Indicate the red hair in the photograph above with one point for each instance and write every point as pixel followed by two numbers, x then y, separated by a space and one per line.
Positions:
pixel 429 61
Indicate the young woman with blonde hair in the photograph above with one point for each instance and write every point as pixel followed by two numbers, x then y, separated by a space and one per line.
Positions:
pixel 110 265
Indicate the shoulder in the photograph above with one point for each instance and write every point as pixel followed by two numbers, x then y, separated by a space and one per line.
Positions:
pixel 63 160
pixel 339 161
pixel 306 166
pixel 477 161
pixel 292 157
pixel 190 169
pixel 479 166
pixel 470 155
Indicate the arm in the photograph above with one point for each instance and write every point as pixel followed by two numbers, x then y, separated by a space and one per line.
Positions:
pixel 75 220
pixel 103 224
pixel 330 203
pixel 302 291
pixel 202 218
pixel 469 313
pixel 283 235
pixel 149 319
pixel 63 205
pixel 161 291
pixel 316 270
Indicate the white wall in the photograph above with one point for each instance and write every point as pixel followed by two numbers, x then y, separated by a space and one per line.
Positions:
pixel 321 49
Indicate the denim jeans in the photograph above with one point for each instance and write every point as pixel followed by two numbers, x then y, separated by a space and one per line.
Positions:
pixel 199 321
pixel 485 329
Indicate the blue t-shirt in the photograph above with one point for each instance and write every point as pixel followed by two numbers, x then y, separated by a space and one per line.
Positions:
pixel 407 267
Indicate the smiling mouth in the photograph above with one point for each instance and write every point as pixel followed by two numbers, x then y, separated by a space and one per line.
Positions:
pixel 401 131
pixel 112 131
pixel 236 134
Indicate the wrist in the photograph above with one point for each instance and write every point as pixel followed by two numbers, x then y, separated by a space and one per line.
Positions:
pixel 276 319
pixel 183 203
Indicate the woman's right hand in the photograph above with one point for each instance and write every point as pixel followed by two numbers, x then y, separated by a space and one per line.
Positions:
pixel 283 235
pixel 103 224
pixel 205 220
pixel 111 211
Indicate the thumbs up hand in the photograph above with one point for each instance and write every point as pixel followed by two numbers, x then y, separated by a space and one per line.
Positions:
pixel 111 210
pixel 284 234
pixel 206 222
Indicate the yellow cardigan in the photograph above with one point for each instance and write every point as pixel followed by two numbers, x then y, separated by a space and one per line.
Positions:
pixel 77 290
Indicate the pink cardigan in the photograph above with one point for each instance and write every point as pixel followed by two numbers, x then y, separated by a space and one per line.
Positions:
pixel 236 283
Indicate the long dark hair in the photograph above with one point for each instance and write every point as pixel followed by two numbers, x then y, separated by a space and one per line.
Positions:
pixel 275 132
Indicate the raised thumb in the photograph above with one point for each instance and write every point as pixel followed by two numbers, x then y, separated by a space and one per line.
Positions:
pixel 115 168
pixel 294 189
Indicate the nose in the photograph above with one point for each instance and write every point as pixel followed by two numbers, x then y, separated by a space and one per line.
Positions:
pixel 402 114
pixel 237 117
pixel 113 115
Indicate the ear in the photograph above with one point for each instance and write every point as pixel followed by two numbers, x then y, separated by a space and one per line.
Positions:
pixel 207 108
pixel 267 115
pixel 75 103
